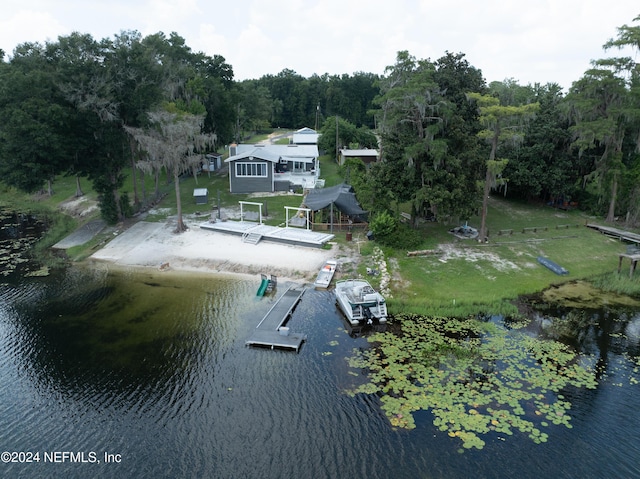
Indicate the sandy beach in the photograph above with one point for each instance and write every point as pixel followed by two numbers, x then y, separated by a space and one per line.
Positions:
pixel 155 245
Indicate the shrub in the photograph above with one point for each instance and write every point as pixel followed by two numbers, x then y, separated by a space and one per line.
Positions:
pixel 125 205
pixel 387 230
pixel 383 225
pixel 403 237
pixel 108 208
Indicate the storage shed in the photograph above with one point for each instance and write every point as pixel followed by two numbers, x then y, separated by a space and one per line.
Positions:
pixel 201 196
pixel 213 162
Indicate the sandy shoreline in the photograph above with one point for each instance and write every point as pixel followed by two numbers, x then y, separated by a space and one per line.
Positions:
pixel 156 246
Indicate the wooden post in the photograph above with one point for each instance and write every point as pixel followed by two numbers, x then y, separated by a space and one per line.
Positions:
pixel 332 215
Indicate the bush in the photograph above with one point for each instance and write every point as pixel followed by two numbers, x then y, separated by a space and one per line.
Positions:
pixel 108 208
pixel 388 231
pixel 383 225
pixel 404 238
pixel 125 205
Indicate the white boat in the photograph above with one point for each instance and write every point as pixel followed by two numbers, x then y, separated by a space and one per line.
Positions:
pixel 360 302
pixel 325 275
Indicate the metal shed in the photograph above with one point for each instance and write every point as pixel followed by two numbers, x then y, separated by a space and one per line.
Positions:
pixel 201 196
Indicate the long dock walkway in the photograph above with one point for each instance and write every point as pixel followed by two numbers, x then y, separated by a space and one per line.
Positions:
pixel 616 233
pixel 271 331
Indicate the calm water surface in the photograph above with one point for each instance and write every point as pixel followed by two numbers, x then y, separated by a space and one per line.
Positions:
pixel 153 369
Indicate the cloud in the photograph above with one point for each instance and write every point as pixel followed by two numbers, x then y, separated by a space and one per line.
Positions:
pixel 44 27
pixel 535 41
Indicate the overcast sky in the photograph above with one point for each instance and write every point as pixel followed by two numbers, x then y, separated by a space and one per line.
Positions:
pixel 531 41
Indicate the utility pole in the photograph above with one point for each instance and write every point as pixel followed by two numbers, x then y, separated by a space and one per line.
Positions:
pixel 337 157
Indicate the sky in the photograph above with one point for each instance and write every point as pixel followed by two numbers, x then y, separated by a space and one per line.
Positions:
pixel 530 41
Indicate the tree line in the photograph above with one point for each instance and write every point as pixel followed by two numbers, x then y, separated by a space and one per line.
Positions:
pixel 447 139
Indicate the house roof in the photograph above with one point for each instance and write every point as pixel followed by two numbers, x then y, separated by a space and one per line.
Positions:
pixel 274 153
pixel 342 196
pixel 363 152
pixel 305 136
pixel 255 152
pixel 306 131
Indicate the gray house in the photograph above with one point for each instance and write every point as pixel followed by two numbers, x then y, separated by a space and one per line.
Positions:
pixel 269 168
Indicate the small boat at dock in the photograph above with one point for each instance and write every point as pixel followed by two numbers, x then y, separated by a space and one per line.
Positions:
pixel 325 275
pixel 360 303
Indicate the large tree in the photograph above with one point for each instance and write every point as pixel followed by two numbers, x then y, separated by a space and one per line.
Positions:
pixel 413 110
pixel 34 119
pixel 428 131
pixel 629 37
pixel 457 173
pixel 502 124
pixel 598 105
pixel 175 139
pixel 541 167
pixel 84 83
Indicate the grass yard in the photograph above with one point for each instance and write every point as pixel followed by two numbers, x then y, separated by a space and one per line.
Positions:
pixel 463 274
pixel 218 184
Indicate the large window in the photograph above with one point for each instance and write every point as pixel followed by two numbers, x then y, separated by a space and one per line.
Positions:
pixel 251 169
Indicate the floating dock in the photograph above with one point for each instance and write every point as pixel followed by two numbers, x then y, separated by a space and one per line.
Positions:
pixel 271 331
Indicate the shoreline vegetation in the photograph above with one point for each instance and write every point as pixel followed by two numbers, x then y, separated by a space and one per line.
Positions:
pixel 440 352
pixel 456 277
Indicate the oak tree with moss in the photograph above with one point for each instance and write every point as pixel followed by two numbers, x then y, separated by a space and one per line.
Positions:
pixel 502 123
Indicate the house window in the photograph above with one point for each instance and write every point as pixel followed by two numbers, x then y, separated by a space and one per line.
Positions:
pixel 251 169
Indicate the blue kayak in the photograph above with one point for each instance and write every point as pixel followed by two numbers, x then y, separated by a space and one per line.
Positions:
pixel 556 268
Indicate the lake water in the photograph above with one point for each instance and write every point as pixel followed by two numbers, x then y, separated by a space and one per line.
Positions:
pixel 152 369
pixel 130 375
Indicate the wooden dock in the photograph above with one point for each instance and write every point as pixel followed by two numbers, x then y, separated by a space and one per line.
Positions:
pixel 271 331
pixel 616 233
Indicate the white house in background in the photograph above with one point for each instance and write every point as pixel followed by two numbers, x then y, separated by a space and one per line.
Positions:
pixel 367 155
pixel 269 168
pixel 305 136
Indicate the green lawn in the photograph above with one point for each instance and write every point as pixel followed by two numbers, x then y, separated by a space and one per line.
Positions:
pixel 462 276
pixel 218 186
pixel 465 272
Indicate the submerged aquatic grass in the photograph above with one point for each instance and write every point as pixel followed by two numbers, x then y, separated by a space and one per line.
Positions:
pixel 475 377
